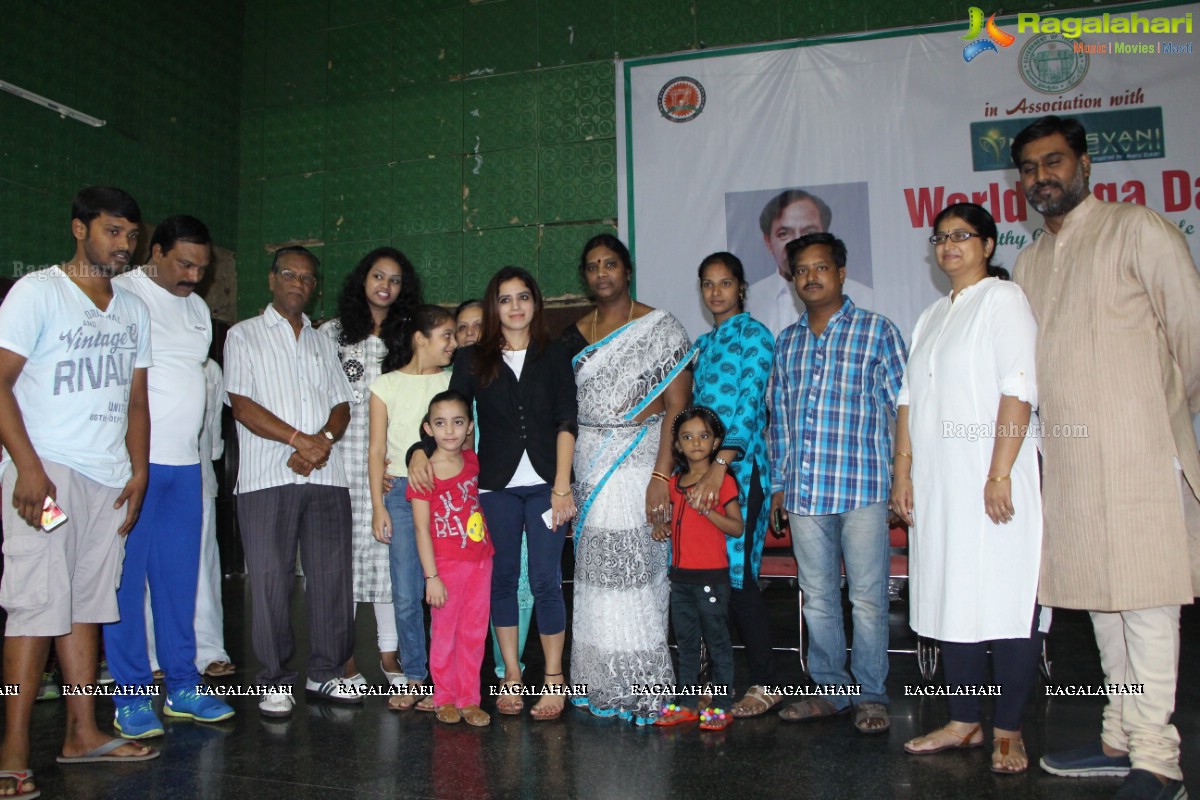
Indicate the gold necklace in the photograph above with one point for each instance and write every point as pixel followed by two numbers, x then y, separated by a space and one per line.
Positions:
pixel 596 318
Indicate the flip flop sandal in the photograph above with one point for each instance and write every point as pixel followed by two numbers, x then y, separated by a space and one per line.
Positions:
pixel 402 702
pixel 426 704
pixel 20 777
pixel 960 742
pixel 220 669
pixel 105 753
pixel 811 709
pixel 672 714
pixel 1003 746
pixel 864 713
pixel 715 719
pixel 754 703
pixel 511 703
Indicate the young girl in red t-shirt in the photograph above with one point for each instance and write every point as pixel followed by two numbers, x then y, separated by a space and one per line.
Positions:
pixel 456 554
pixel 700 568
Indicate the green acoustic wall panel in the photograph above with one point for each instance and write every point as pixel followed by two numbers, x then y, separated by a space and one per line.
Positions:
pixel 484 252
pixel 292 208
pixel 577 181
pixel 500 188
pixel 297 68
pixel 664 26
pixel 250 145
pixel 438 259
pixel 807 18
pixel 407 7
pixel 293 139
pixel 725 22
pixel 358 204
pixel 428 121
pixel 249 218
pixel 500 37
pixel 558 256
pixel 362 59
pixel 576 103
pixel 574 31
pixel 500 113
pixel 430 46
pixel 427 196
pixel 290 17
pixel 351 12
pixel 358 131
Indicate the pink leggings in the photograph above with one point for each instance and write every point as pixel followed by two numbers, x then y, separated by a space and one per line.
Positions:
pixel 457 631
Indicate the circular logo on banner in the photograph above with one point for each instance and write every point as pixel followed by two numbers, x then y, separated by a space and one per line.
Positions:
pixel 681 99
pixel 1050 65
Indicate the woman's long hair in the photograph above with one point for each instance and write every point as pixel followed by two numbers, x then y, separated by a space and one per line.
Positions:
pixel 354 312
pixel 489 349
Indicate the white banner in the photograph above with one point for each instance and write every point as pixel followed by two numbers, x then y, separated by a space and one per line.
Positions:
pixel 880 133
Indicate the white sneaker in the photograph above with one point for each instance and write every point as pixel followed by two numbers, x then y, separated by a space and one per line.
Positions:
pixel 276 703
pixel 338 690
pixel 356 679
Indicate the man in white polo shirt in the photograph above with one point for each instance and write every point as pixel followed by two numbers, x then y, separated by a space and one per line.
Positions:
pixel 75 428
pixel 164 548
pixel 291 401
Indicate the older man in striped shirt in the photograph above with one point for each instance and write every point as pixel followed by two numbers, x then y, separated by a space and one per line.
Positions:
pixel 832 401
pixel 291 401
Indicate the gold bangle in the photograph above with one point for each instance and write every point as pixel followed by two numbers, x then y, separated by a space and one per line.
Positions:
pixel 660 476
pixel 561 494
pixel 1001 479
pixel 906 455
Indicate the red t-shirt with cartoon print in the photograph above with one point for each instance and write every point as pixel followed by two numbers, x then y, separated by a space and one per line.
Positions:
pixel 456 522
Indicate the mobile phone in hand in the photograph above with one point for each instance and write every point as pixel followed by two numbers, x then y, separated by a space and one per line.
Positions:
pixel 52 515
pixel 779 523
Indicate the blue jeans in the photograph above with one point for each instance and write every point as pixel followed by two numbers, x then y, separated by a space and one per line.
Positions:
pixel 408 584
pixel 859 539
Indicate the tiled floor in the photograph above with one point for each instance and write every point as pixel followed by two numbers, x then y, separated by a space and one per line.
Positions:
pixel 324 751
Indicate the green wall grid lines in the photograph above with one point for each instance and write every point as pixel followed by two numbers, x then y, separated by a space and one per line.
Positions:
pixel 293 139
pixel 289 17
pixel 500 37
pixel 724 22
pixel 362 59
pixel 438 259
pixel 577 181
pixel 574 31
pixel 484 252
pixel 297 68
pixel 352 12
pixel 664 26
pixel 293 209
pixel 500 189
pixel 427 196
pixel 357 204
pixel 429 47
pixel 427 121
pixel 358 131
pixel 249 219
pixel 499 113
pixel 576 103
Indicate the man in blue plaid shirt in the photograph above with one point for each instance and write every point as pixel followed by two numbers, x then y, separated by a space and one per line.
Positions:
pixel 832 405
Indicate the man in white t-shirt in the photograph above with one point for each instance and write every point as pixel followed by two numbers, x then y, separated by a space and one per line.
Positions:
pixel 75 428
pixel 164 548
pixel 291 401
pixel 788 216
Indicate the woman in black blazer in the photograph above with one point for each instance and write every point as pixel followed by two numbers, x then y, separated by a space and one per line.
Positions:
pixel 524 392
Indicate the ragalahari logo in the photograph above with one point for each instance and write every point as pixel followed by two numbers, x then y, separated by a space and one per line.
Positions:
pixel 995 36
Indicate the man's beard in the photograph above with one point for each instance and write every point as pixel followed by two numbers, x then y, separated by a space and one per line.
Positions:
pixel 1069 196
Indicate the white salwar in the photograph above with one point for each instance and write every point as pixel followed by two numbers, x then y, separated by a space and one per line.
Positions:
pixel 971 580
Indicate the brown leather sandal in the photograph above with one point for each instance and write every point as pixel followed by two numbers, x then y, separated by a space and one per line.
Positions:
pixel 1002 748
pixel 474 715
pixel 448 714
pixel 960 741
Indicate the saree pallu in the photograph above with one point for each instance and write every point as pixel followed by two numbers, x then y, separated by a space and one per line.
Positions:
pixel 622 595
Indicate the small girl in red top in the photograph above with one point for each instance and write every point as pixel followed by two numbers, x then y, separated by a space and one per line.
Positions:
pixel 456 554
pixel 700 566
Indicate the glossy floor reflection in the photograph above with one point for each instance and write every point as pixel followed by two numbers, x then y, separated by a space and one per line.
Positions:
pixel 369 752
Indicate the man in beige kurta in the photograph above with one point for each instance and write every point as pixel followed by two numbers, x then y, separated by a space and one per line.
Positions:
pixel 1117 301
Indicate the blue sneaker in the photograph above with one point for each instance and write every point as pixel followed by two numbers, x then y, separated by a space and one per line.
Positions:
pixel 1086 761
pixel 1143 785
pixel 190 704
pixel 137 720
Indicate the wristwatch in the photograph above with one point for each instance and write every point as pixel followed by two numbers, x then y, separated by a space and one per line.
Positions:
pixel 721 461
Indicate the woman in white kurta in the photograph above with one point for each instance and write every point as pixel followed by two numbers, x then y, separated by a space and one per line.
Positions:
pixel 967 481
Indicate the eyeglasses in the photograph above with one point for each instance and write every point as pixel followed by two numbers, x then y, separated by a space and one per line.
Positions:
pixel 956 236
pixel 291 276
